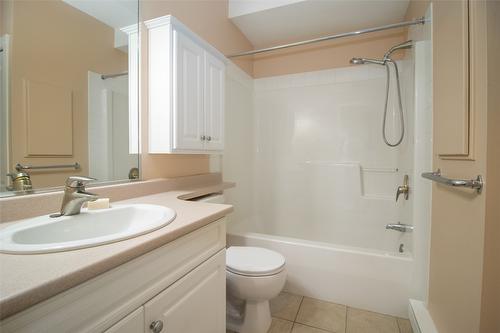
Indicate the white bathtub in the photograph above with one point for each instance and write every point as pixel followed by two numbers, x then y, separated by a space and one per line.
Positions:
pixel 366 279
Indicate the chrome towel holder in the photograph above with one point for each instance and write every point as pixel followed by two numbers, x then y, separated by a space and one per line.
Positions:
pixel 436 176
pixel 20 167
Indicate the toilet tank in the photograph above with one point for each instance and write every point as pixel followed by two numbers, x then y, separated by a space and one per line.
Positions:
pixel 211 198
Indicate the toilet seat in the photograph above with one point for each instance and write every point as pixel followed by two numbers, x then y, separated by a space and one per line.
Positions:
pixel 253 261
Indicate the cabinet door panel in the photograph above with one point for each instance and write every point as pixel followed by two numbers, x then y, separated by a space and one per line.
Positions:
pixel 214 102
pixel 188 93
pixel 133 323
pixel 196 303
pixel 451 78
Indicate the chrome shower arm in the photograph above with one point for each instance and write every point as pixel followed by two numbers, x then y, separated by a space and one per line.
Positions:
pixel 405 45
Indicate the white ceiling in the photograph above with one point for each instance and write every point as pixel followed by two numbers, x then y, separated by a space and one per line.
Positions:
pixel 114 13
pixel 272 22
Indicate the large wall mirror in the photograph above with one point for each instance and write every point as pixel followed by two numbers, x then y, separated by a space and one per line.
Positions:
pixel 68 92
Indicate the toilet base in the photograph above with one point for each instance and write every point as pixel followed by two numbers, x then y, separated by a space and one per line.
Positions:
pixel 256 318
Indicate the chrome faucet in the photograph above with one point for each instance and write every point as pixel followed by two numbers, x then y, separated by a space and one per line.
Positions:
pixel 399 227
pixel 75 196
pixel 403 189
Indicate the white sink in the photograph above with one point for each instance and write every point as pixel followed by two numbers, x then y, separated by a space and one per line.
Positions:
pixel 45 234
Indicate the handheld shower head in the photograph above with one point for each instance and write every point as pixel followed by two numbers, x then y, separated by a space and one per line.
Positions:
pixel 362 61
pixel 357 61
pixel 387 61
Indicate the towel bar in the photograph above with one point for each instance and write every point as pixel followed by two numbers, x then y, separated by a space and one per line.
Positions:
pixel 20 167
pixel 436 176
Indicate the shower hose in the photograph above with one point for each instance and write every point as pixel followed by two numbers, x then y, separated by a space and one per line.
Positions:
pixel 400 105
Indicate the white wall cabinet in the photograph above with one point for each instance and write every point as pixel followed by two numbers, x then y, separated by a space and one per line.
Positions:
pixel 214 102
pixel 182 284
pixel 186 82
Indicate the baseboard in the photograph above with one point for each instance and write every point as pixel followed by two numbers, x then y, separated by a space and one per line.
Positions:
pixel 420 319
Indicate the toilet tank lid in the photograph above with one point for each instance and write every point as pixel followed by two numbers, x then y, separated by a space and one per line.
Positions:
pixel 253 261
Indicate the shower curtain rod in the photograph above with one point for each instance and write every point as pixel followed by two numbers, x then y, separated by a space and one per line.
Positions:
pixel 110 76
pixel 321 39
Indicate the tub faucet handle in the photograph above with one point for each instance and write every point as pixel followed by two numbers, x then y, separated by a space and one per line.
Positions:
pixel 403 189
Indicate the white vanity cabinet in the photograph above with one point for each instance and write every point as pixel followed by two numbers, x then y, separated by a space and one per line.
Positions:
pixel 186 83
pixel 177 288
pixel 194 304
pixel 133 323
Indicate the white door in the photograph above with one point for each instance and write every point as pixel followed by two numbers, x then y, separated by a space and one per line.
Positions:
pixel 108 128
pixel 196 303
pixel 214 102
pixel 133 323
pixel 4 113
pixel 188 94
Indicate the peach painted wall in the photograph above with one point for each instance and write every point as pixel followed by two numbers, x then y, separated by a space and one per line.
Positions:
pixel 334 53
pixel 5 23
pixel 416 8
pixel 207 18
pixel 56 44
pixel 210 21
pixel 326 55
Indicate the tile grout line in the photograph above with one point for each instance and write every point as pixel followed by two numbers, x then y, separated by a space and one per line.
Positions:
pixel 297 314
pixel 317 328
pixel 298 310
pixel 346 309
pixel 397 324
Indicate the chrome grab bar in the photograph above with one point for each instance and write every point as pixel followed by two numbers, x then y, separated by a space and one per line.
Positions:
pixel 436 176
pixel 20 167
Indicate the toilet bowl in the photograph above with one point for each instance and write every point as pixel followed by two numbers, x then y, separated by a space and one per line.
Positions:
pixel 253 276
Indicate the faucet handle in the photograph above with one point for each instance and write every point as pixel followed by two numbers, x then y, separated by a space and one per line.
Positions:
pixel 404 189
pixel 78 181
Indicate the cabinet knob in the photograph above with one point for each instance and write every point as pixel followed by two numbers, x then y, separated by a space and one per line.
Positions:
pixel 209 138
pixel 156 326
pixel 202 138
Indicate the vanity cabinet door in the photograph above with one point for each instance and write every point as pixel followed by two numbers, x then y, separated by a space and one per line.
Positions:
pixel 133 323
pixel 188 93
pixel 214 102
pixel 195 303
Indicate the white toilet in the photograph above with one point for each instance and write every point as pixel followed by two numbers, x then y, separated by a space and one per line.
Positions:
pixel 254 275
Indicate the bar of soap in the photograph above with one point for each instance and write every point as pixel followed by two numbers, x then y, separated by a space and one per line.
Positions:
pixel 101 203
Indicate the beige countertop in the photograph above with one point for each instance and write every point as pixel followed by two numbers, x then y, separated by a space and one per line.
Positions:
pixel 29 279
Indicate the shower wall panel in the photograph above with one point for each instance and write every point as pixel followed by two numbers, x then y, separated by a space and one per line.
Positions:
pixel 322 170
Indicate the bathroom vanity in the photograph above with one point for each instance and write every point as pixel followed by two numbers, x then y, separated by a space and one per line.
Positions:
pixel 169 280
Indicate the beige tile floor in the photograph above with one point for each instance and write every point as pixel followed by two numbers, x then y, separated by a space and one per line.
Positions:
pixel 297 314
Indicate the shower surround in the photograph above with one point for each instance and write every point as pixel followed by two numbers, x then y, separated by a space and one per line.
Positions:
pixel 318 183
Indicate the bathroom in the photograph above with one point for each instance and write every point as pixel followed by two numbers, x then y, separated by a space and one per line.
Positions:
pixel 249 166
